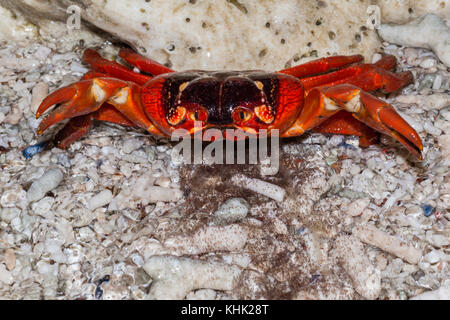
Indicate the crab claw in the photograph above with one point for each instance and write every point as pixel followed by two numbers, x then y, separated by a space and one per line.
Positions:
pixel 77 99
pixel 382 117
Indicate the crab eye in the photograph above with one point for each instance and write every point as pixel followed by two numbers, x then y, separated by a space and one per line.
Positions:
pixel 176 116
pixel 241 115
pixel 265 114
pixel 198 115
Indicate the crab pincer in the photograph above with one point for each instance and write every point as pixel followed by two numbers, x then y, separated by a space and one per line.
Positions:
pixel 323 102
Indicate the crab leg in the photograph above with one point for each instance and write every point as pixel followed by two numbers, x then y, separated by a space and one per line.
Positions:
pixel 87 96
pixel 113 69
pixel 321 65
pixel 368 77
pixel 79 126
pixel 143 63
pixel 323 102
pixel 344 123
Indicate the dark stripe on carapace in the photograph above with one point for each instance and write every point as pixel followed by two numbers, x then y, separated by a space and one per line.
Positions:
pixel 219 92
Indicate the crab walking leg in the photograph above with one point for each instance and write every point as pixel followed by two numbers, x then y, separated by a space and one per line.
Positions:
pixel 323 102
pixel 387 62
pixel 344 123
pixel 113 69
pixel 143 63
pixel 378 78
pixel 366 76
pixel 321 65
pixel 79 126
pixel 87 96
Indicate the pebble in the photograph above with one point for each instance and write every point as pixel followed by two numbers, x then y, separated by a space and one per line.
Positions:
pixel 373 236
pixel 437 82
pixel 174 277
pixel 8 214
pixel 30 151
pixel 265 188
pixel 427 209
pixel 40 91
pixel 47 182
pixel 437 240
pixel 433 257
pixel 356 207
pixel 43 206
pixel 365 277
pixel 376 57
pixel 444 145
pixel 100 199
pixel 232 210
pixel 14 116
pixel 231 237
pixel 429 128
pixel 130 145
pixel 10 259
pixel 428 63
pixel 443 293
pixel 5 275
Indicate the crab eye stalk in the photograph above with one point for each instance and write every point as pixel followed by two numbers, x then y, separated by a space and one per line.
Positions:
pixel 241 115
pixel 265 114
pixel 176 116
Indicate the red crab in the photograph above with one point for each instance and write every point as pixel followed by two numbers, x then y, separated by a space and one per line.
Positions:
pixel 329 95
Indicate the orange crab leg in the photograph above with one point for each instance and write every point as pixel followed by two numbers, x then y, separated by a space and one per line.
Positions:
pixel 143 63
pixel 344 123
pixel 323 102
pixel 387 62
pixel 366 76
pixel 73 131
pixel 321 65
pixel 79 126
pixel 113 69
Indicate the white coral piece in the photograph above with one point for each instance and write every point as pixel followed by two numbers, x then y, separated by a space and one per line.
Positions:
pixel 429 31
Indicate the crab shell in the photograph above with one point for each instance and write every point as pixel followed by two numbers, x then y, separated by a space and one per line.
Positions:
pixel 246 100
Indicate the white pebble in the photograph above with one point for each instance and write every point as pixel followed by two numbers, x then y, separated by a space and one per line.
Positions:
pixel 174 277
pixel 47 182
pixel 376 57
pixel 356 207
pixel 433 257
pixel 443 293
pixel 232 210
pixel 444 145
pixel 99 200
pixel 43 206
pixel 437 240
pixel 142 190
pixel 265 188
pixel 5 275
pixel 8 214
pixel 437 82
pixel 40 91
pixel 428 63
pixel 366 278
pixel 130 145
pixel 429 128
pixel 209 239
pixel 371 235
